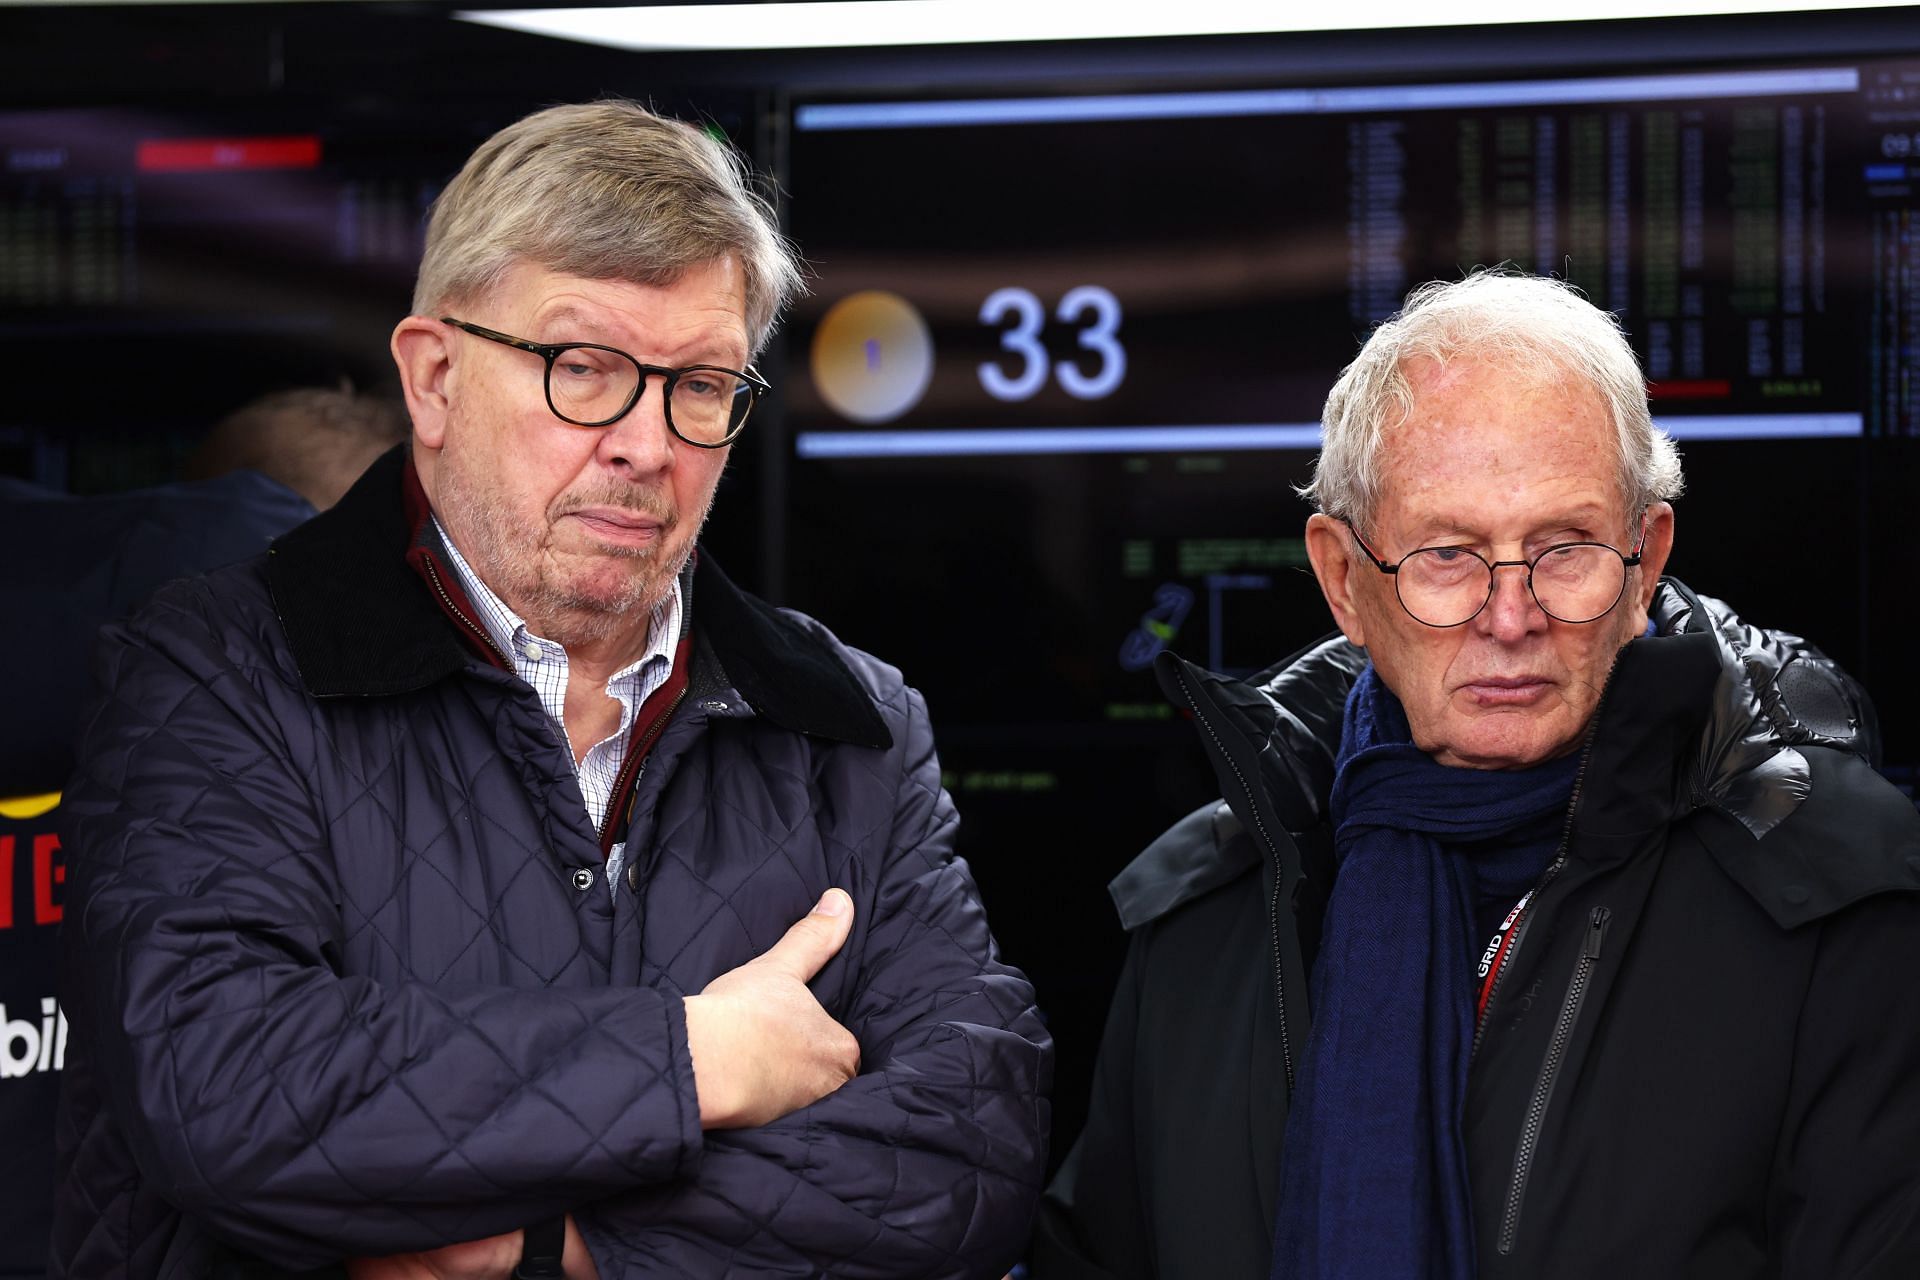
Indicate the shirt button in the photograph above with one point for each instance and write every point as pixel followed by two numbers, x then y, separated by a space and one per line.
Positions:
pixel 633 877
pixel 1796 894
pixel 532 651
pixel 583 878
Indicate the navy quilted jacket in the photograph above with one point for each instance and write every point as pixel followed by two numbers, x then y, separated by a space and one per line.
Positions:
pixel 345 976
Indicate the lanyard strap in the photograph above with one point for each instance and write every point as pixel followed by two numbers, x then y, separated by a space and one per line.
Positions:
pixel 1496 951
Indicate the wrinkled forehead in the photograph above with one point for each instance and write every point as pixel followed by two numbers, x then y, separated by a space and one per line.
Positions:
pixel 1482 439
pixel 1493 370
pixel 703 303
pixel 1488 401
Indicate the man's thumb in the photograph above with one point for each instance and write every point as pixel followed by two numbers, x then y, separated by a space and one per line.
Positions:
pixel 815 937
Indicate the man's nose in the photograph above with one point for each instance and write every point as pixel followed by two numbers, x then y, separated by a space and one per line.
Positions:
pixel 1512 611
pixel 641 440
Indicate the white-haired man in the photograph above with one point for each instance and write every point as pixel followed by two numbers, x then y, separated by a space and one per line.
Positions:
pixel 1554 922
pixel 433 882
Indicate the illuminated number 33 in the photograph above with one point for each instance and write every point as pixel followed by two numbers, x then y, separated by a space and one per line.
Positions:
pixel 1099 334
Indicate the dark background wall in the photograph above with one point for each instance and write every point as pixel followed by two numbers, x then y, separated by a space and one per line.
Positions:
pixel 1755 242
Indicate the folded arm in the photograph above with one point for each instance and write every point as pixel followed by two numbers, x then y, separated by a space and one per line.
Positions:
pixel 299 1112
pixel 928 1163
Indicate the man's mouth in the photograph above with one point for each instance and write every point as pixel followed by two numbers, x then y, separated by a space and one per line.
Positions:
pixel 619 526
pixel 1507 691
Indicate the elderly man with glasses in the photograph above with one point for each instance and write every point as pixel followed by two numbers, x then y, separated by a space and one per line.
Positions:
pixel 481 883
pixel 1554 921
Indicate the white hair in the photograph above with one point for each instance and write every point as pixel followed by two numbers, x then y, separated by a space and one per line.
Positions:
pixel 1529 325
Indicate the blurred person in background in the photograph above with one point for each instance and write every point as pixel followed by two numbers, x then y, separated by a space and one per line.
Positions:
pixel 74 563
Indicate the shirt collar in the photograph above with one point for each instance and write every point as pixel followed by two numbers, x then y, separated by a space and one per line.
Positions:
pixel 361 621
pixel 511 635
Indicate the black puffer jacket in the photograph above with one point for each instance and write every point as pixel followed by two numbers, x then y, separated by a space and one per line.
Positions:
pixel 1702 1054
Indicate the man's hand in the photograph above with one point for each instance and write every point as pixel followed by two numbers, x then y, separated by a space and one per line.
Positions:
pixel 762 1046
pixel 491 1259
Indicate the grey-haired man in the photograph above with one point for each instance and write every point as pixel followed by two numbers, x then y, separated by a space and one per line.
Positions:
pixel 1546 925
pixel 482 879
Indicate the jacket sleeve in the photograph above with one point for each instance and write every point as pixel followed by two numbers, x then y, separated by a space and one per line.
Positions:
pixel 1092 1225
pixel 1846 1183
pixel 299 1113
pixel 928 1163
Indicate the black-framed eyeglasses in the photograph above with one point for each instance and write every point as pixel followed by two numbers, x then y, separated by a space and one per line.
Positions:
pixel 1572 582
pixel 590 385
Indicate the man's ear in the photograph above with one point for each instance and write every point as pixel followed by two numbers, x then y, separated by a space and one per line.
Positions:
pixel 424 358
pixel 1331 551
pixel 1654 550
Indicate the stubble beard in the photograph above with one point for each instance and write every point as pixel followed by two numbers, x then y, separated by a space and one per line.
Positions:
pixel 519 564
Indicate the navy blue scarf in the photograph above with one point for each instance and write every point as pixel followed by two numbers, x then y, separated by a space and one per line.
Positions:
pixel 1373 1178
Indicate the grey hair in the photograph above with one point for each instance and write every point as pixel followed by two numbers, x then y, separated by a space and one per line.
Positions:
pixel 1530 325
pixel 605 190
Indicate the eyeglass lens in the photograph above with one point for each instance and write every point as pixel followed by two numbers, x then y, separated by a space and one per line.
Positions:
pixel 594 385
pixel 1446 586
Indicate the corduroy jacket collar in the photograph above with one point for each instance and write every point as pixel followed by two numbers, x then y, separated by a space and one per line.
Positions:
pixel 361 623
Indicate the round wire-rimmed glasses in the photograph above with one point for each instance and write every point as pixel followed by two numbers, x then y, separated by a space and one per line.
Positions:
pixel 591 385
pixel 1572 582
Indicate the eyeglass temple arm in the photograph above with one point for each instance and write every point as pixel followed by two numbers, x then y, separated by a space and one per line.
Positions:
pixel 1372 557
pixel 1633 560
pixel 480 330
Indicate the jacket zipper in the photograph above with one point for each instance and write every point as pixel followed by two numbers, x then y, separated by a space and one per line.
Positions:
pixel 1273 905
pixel 1576 990
pixel 1549 1071
pixel 1532 899
pixel 454 611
